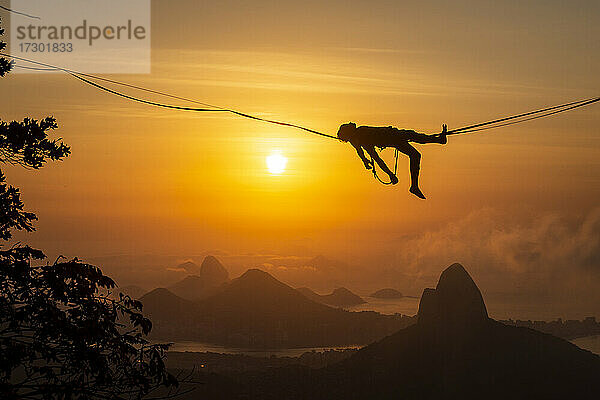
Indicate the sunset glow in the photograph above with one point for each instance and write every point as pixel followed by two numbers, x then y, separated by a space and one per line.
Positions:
pixel 276 163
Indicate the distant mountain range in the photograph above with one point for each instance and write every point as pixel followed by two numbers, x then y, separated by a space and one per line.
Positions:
pixel 133 291
pixel 340 297
pixel 454 351
pixel 567 329
pixel 211 277
pixel 257 310
pixel 387 294
pixel 175 312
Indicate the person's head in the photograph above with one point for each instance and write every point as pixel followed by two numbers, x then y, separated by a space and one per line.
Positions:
pixel 346 131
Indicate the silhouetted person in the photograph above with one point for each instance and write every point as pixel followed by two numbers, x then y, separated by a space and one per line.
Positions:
pixel 368 137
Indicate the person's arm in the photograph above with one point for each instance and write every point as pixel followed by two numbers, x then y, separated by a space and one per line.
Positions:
pixel 373 153
pixel 361 154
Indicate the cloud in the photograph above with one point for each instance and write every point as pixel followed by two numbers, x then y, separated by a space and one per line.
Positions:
pixel 549 255
pixel 377 50
pixel 525 266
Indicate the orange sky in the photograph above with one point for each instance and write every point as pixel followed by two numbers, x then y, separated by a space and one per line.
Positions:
pixel 149 181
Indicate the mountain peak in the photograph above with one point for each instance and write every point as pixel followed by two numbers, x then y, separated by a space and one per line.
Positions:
pixel 456 300
pixel 255 272
pixel 255 275
pixel 189 266
pixel 163 296
pixel 159 292
pixel 342 291
pixel 212 272
pixel 256 291
pixel 211 278
pixel 340 297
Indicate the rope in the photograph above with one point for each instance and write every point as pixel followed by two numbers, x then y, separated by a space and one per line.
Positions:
pixel 10 10
pixel 109 81
pixel 241 114
pixel 152 103
pixel 548 111
pixel 83 77
pixel 34 68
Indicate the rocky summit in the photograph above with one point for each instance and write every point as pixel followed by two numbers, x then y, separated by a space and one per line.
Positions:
pixel 212 272
pixel 454 302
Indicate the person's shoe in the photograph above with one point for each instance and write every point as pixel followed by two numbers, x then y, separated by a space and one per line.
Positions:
pixel 394 179
pixel 417 192
pixel 443 138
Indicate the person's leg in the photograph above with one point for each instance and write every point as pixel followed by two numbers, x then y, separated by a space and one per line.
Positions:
pixel 423 138
pixel 373 153
pixel 415 166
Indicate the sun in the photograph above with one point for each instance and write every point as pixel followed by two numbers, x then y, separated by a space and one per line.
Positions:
pixel 276 163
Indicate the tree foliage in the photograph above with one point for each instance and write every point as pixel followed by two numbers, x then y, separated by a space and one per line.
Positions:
pixel 63 334
pixel 5 64
pixel 27 143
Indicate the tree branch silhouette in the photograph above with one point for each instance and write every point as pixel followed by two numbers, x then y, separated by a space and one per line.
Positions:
pixel 62 333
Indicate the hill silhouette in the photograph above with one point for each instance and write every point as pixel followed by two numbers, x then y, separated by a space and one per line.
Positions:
pixel 210 279
pixel 454 351
pixel 257 310
pixel 189 267
pixel 165 303
pixel 340 297
pixel 133 291
pixel 387 294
